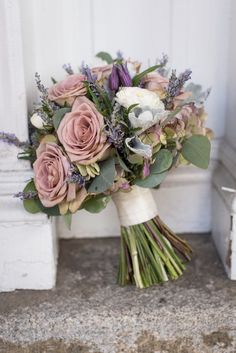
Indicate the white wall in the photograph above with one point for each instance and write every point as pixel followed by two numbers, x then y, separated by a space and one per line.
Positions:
pixel 231 83
pixel 194 33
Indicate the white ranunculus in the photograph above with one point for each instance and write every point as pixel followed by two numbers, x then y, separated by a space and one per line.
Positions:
pixel 128 96
pixel 37 121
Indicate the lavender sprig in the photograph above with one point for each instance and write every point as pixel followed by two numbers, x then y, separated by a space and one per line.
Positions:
pixel 11 139
pixel 115 135
pixel 75 177
pixel 46 103
pixel 26 195
pixel 175 86
pixel 86 71
pixel 68 69
pixel 163 62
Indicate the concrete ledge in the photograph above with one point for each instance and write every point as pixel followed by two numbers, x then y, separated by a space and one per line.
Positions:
pixel 88 313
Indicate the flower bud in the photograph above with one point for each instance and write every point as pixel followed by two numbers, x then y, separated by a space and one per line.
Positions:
pixel 37 121
pixel 124 75
pixel 114 79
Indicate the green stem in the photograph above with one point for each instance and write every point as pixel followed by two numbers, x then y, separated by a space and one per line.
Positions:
pixel 134 254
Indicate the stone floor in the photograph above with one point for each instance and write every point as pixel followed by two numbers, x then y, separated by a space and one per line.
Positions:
pixel 88 312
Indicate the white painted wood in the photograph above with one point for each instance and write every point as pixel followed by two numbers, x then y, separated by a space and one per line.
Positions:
pixel 28 249
pixel 224 202
pixel 224 214
pixel 231 83
pixel 200 41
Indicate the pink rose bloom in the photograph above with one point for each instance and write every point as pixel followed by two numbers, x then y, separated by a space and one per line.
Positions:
pixel 155 82
pixel 51 170
pixel 67 90
pixel 102 72
pixel 80 132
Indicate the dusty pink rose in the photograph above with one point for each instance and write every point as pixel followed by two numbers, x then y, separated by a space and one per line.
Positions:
pixel 80 132
pixel 102 72
pixel 67 90
pixel 155 82
pixel 51 170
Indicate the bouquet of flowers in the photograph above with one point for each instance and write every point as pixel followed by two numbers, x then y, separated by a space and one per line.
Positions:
pixel 114 132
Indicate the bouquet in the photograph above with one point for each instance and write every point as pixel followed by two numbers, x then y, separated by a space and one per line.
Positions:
pixel 114 131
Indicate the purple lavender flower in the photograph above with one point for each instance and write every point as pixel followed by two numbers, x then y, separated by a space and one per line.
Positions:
pixel 113 80
pixel 119 55
pixel 124 76
pixel 68 69
pixel 11 139
pixel 115 135
pixel 26 195
pixel 86 71
pixel 75 177
pixel 175 86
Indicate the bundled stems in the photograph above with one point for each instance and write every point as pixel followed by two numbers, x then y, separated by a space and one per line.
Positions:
pixel 148 254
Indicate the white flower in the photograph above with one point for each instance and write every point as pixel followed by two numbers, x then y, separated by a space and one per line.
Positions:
pixel 37 121
pixel 138 147
pixel 144 118
pixel 128 96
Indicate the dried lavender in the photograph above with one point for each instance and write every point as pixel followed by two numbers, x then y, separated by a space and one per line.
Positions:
pixel 11 139
pixel 75 177
pixel 47 105
pixel 175 86
pixel 68 69
pixel 115 134
pixel 163 61
pixel 86 71
pixel 119 55
pixel 26 195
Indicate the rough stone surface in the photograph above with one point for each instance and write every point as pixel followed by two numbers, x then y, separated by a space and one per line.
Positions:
pixel 88 313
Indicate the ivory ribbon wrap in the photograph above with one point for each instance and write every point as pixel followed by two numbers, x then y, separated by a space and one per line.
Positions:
pixel 136 206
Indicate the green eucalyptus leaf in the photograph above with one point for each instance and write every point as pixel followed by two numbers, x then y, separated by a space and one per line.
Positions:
pixel 137 78
pixel 68 219
pixel 105 179
pixel 59 115
pixel 31 205
pixel 96 204
pixel 162 162
pixel 151 181
pixel 122 164
pixel 196 150
pixel 50 211
pixel 105 56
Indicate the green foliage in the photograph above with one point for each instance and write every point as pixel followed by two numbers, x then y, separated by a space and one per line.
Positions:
pixel 105 56
pixel 151 181
pixel 31 205
pixel 97 203
pixel 105 179
pixel 59 115
pixel 196 150
pixel 137 78
pixel 122 164
pixel 163 162
pixel 35 205
pixel 68 219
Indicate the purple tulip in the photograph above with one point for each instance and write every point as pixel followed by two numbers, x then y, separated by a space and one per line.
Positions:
pixel 124 76
pixel 113 80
